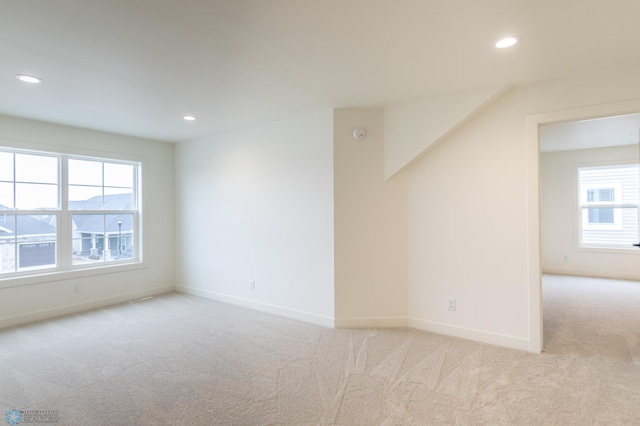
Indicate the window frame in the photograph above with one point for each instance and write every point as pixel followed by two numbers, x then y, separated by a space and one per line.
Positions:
pixel 578 209
pixel 64 235
pixel 615 205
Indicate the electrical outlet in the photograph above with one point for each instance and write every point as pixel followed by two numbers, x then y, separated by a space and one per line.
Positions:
pixel 76 288
pixel 253 285
pixel 565 258
pixel 451 304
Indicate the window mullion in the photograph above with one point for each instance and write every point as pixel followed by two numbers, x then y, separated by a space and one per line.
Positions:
pixel 64 220
pixel 15 242
pixel 15 200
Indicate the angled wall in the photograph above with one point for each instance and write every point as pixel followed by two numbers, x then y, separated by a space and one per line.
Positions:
pixel 411 129
pixel 468 207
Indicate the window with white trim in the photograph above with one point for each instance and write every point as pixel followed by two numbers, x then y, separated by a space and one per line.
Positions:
pixel 64 212
pixel 598 201
pixel 608 205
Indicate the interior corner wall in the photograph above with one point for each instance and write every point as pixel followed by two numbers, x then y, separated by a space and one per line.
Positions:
pixel 24 303
pixel 256 205
pixel 370 226
pixel 468 212
pixel 559 222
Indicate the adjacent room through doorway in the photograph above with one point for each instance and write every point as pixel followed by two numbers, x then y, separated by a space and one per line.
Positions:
pixel 589 195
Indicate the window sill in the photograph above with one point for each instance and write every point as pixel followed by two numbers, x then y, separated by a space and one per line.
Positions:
pixel 51 276
pixel 609 250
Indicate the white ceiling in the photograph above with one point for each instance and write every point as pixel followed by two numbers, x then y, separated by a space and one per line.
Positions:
pixel 137 66
pixel 595 133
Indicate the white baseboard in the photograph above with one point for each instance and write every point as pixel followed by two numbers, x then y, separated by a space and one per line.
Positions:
pixel 591 274
pixel 371 322
pixel 259 306
pixel 380 322
pixel 80 307
pixel 471 334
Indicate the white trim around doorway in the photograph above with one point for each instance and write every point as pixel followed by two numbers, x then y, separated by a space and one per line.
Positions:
pixel 533 123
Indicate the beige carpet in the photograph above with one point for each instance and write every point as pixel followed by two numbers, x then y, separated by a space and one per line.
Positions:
pixel 178 359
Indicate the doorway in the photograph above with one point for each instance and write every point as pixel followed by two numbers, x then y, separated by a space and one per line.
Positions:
pixel 535 126
pixel 589 192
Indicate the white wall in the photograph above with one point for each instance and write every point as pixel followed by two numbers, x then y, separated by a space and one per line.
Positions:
pixel 257 204
pixel 370 226
pixel 468 213
pixel 559 226
pixel 23 303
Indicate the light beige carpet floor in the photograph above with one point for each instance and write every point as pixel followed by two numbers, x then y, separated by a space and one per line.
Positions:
pixel 178 359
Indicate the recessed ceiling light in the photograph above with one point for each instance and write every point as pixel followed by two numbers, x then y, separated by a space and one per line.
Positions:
pixel 189 117
pixel 28 79
pixel 506 42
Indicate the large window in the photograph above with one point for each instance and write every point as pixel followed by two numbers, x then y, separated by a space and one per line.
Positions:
pixel 608 204
pixel 63 212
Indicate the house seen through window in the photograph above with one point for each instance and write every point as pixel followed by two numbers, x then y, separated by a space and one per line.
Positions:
pixel 64 212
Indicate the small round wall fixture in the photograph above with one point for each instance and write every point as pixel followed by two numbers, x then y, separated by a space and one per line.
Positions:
pixel 358 133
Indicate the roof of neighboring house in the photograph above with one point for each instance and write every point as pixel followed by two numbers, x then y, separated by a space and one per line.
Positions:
pixel 27 225
pixel 99 224
pixel 108 202
pixel 84 223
